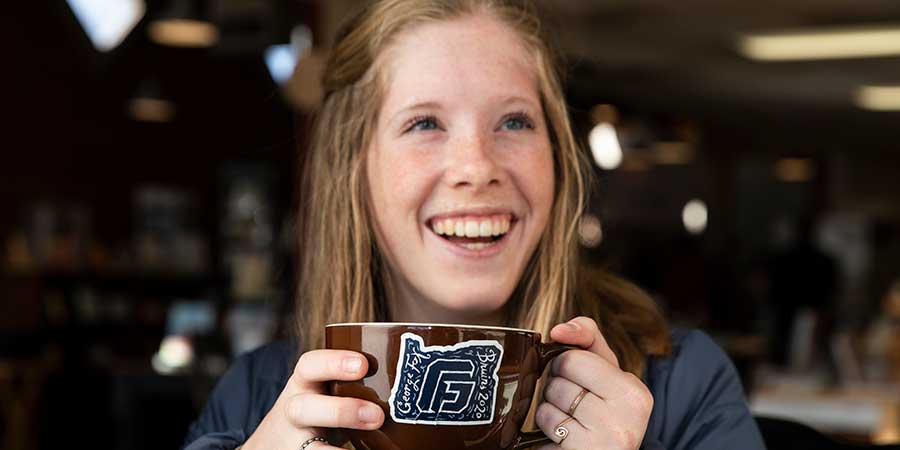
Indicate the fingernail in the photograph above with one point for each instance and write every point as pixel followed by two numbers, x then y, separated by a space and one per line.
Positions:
pixel 571 326
pixel 369 414
pixel 352 365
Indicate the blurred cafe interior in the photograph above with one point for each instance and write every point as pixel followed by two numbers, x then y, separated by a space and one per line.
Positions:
pixel 746 158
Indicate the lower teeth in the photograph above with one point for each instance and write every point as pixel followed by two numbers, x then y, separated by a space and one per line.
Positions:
pixel 477 245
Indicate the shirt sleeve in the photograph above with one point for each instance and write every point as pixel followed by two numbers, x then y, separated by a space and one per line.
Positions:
pixel 240 400
pixel 699 402
pixel 220 425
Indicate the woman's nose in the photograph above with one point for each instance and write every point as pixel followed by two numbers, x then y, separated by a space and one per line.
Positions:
pixel 472 163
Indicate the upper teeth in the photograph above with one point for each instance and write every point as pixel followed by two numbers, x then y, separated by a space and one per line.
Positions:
pixel 471 227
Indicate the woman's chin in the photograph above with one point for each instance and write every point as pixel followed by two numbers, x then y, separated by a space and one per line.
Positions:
pixel 473 303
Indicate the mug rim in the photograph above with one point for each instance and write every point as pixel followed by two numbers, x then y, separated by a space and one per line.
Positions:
pixel 446 325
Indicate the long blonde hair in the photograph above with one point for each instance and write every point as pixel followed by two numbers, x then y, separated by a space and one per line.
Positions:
pixel 342 271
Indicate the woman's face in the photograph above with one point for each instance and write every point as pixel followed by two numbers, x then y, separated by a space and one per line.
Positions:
pixel 460 167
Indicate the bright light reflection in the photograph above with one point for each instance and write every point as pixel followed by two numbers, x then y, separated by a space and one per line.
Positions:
pixel 590 231
pixel 694 215
pixel 281 60
pixel 605 147
pixel 107 22
pixel 175 352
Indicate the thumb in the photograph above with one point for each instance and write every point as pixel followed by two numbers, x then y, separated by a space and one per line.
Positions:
pixel 584 332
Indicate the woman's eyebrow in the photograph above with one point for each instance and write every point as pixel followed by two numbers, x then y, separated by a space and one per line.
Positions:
pixel 432 105
pixel 513 99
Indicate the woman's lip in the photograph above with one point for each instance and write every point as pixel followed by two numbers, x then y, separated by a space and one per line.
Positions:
pixel 487 252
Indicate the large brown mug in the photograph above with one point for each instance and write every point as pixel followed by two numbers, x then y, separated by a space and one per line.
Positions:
pixel 440 386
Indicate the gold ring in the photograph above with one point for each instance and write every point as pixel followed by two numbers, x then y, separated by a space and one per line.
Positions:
pixel 577 401
pixel 562 432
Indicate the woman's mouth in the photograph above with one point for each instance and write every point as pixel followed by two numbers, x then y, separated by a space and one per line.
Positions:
pixel 473 232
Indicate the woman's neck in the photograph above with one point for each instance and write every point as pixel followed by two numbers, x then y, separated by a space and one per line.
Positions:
pixel 412 307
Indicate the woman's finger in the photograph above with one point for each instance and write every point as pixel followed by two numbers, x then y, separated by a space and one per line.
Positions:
pixel 584 332
pixel 568 434
pixel 562 393
pixel 325 411
pixel 316 366
pixel 591 371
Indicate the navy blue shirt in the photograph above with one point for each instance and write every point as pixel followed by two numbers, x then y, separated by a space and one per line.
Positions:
pixel 698 401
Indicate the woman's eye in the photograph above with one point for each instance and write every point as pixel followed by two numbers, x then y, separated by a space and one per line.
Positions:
pixel 423 124
pixel 517 122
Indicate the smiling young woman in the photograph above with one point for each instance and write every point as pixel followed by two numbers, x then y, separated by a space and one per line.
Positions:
pixel 392 142
pixel 444 186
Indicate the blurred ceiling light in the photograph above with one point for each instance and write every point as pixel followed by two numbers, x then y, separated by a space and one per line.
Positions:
pixel 590 231
pixel 175 353
pixel 694 216
pixel 149 105
pixel 878 98
pixel 107 22
pixel 822 43
pixel 604 113
pixel 605 146
pixel 673 153
pixel 281 59
pixel 795 170
pixel 183 33
pixel 151 109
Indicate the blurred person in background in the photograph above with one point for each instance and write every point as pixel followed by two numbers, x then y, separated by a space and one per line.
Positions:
pixel 803 283
pixel 444 185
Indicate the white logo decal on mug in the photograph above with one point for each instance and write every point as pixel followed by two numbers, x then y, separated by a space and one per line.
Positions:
pixel 445 385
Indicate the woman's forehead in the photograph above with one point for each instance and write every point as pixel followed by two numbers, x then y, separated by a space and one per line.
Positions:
pixel 467 59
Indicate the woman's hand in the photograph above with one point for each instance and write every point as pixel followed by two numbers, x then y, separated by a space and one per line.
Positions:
pixel 614 412
pixel 304 410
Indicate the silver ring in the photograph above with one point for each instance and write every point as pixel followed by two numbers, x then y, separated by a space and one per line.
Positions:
pixel 311 440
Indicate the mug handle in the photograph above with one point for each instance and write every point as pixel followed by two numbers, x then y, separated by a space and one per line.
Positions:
pixel 548 351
